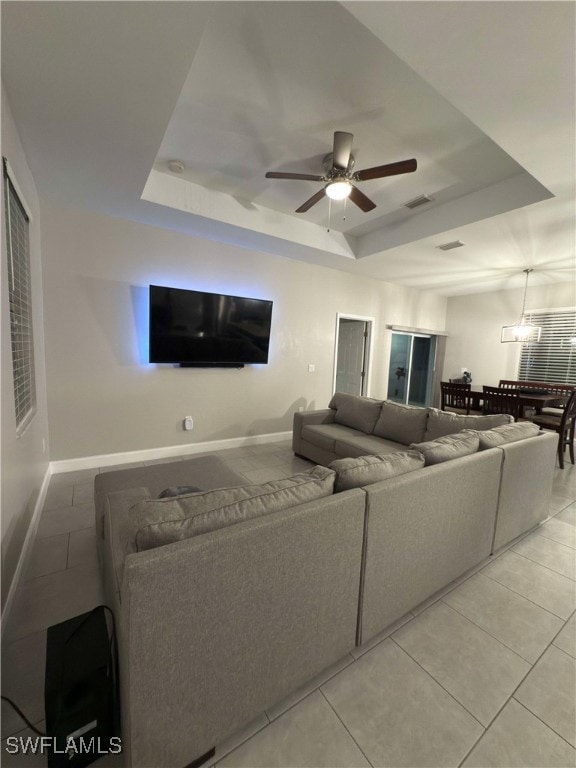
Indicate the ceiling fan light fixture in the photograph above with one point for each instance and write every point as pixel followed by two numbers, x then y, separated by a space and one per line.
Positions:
pixel 338 190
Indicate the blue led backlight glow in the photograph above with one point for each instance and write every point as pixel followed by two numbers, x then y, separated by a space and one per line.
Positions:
pixel 141 310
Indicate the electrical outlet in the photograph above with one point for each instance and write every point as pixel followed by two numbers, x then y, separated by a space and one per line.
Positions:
pixel 311 367
pixel 188 423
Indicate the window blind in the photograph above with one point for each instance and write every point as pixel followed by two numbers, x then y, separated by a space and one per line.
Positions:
pixel 553 358
pixel 20 303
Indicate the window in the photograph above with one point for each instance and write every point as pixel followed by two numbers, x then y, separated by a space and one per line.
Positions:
pixel 20 302
pixel 553 358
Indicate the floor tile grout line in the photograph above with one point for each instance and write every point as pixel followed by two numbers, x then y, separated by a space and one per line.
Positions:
pixel 543 722
pixel 542 564
pixel 538 532
pixel 345 727
pixel 313 690
pixel 519 594
pixel 438 683
pixel 513 694
pixel 497 639
pixel 543 535
pixel 566 653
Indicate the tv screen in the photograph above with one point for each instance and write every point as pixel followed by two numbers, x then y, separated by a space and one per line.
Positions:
pixel 201 329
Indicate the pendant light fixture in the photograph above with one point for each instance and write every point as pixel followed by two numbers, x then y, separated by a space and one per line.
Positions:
pixel 521 331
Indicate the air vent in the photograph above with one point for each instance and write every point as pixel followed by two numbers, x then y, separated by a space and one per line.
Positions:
pixel 449 246
pixel 421 200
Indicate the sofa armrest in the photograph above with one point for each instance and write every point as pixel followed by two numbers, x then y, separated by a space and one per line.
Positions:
pixel 306 418
pixel 217 628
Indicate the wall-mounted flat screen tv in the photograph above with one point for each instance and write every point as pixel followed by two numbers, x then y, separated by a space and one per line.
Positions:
pixel 194 328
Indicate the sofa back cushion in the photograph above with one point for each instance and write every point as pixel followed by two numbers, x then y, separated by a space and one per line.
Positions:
pixel 156 522
pixel 448 447
pixel 354 411
pixel 401 423
pixel 364 470
pixel 442 423
pixel 508 433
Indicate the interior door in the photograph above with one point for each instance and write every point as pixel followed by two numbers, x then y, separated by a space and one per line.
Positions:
pixel 351 356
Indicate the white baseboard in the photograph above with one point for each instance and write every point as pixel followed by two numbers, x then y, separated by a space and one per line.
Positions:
pixel 26 550
pixel 150 454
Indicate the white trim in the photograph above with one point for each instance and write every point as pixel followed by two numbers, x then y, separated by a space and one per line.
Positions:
pixel 415 331
pixel 369 348
pixel 26 550
pixel 169 451
pixel 12 177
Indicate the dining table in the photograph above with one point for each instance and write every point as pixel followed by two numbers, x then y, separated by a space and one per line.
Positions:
pixel 536 400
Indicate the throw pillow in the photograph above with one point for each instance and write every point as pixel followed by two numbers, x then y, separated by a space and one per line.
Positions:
pixel 508 433
pixel 364 470
pixel 155 522
pixel 354 411
pixel 401 423
pixel 442 423
pixel 447 448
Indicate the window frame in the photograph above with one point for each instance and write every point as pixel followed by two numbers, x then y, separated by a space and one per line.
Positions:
pixel 25 403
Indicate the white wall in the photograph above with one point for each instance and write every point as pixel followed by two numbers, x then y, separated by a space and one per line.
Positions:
pixel 474 324
pixel 24 459
pixel 104 398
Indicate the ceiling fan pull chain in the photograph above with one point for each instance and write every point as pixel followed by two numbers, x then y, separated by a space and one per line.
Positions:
pixel 329 213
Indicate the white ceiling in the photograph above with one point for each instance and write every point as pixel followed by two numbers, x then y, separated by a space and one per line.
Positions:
pixel 482 94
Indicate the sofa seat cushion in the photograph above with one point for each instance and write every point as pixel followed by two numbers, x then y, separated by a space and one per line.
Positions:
pixel 448 447
pixel 325 435
pixel 403 424
pixel 354 411
pixel 365 470
pixel 442 423
pixel 359 444
pixel 156 522
pixel 507 433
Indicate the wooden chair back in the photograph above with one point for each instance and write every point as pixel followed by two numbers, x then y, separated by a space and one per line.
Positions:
pixel 455 396
pixel 564 425
pixel 501 400
pixel 563 390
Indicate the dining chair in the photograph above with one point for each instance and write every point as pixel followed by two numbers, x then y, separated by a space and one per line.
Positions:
pixel 562 390
pixel 501 400
pixel 455 397
pixel 564 425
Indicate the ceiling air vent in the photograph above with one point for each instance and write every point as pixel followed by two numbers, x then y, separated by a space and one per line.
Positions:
pixel 449 246
pixel 421 200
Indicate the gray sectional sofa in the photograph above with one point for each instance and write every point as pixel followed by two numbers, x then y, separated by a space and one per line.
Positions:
pixel 228 599
pixel 356 426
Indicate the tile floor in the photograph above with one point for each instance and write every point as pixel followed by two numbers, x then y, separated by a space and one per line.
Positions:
pixel 482 674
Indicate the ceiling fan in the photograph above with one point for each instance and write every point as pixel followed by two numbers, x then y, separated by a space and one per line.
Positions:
pixel 338 175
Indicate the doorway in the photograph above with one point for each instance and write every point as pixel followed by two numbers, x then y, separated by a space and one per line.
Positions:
pixel 352 358
pixel 412 365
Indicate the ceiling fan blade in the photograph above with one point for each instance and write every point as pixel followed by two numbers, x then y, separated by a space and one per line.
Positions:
pixel 360 199
pixel 392 169
pixel 341 150
pixel 310 202
pixel 303 176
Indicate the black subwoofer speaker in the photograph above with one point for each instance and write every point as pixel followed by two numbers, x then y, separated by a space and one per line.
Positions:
pixel 81 692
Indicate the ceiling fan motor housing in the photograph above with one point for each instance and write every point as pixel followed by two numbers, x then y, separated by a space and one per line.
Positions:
pixel 331 172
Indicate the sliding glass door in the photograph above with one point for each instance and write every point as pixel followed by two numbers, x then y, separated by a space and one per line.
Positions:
pixel 411 376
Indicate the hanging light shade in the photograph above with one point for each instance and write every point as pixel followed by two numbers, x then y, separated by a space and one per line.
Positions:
pixel 521 331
